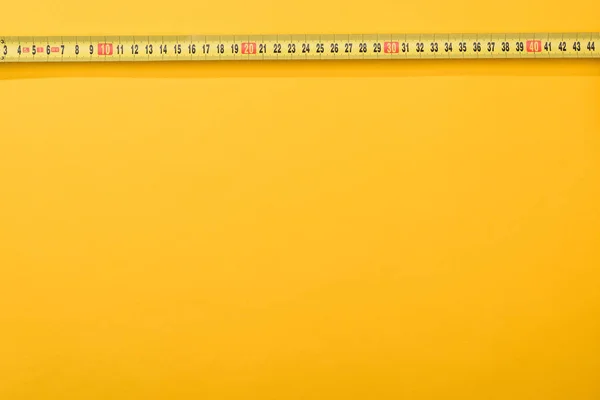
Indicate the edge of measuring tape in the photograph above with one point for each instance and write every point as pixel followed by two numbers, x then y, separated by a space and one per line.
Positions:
pixel 22 49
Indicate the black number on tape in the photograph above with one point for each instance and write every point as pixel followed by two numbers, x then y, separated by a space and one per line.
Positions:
pixel 520 46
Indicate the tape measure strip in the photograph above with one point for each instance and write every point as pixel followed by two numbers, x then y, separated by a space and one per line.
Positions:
pixel 298 47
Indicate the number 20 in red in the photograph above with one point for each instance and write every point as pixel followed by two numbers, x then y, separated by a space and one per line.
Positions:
pixel 249 48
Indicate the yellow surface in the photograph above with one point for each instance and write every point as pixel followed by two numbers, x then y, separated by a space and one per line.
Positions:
pixel 352 231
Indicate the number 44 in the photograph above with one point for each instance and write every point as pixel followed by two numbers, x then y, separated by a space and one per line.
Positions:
pixel 591 46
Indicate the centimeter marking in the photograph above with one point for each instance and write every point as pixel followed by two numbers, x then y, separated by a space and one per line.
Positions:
pixel 19 49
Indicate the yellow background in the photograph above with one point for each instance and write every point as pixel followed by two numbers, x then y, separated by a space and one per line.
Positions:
pixel 306 231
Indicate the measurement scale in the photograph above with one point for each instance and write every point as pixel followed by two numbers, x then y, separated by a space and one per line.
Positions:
pixel 22 49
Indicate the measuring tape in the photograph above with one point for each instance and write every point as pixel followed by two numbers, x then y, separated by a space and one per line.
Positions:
pixel 22 49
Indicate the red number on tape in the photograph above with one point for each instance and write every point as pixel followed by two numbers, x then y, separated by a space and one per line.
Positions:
pixel 534 46
pixel 105 49
pixel 249 48
pixel 391 47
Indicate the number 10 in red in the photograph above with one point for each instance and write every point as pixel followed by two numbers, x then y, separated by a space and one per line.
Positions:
pixel 105 49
